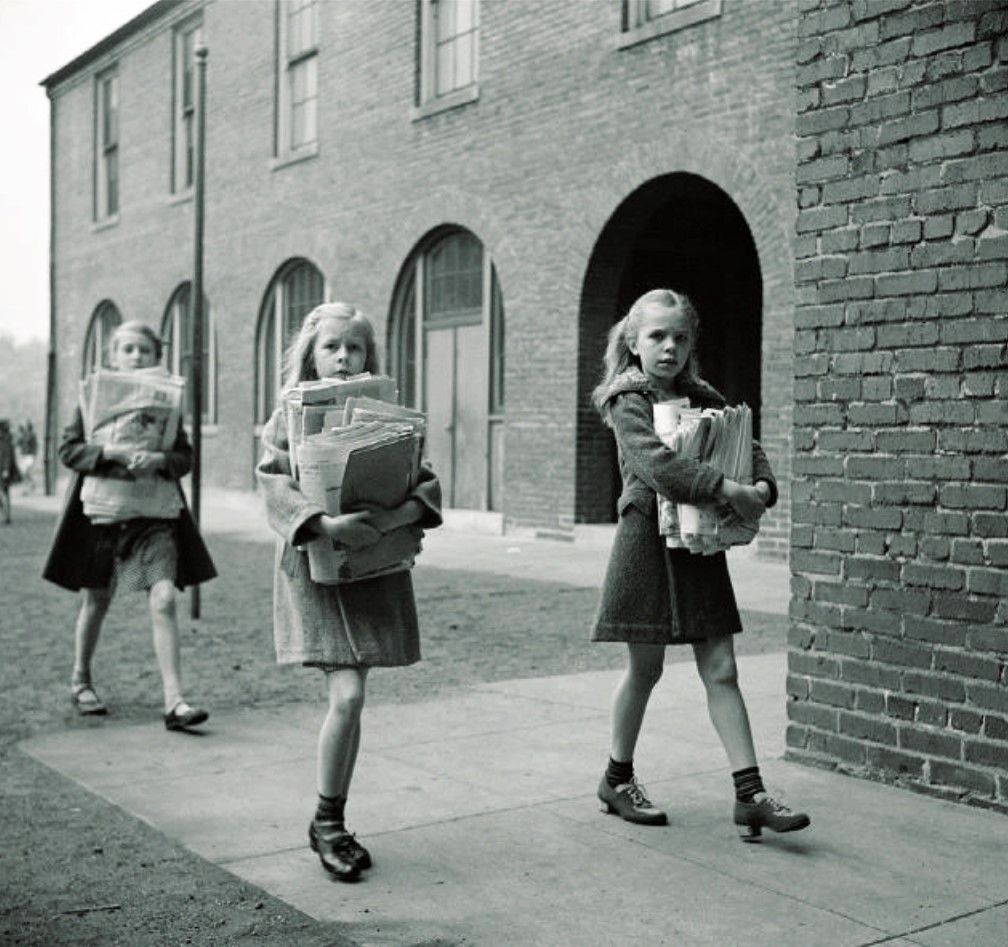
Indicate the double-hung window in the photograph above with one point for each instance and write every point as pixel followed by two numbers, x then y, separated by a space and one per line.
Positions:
pixel 644 19
pixel 449 53
pixel 106 196
pixel 184 99
pixel 297 77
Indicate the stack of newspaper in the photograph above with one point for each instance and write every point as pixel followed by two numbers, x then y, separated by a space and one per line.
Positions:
pixel 723 439
pixel 314 406
pixel 366 452
pixel 138 411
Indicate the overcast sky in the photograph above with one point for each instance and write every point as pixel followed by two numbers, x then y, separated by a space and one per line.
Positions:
pixel 37 37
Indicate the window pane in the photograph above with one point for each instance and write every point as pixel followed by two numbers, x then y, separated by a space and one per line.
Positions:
pixel 455 277
pixel 464 61
pixel 445 81
pixel 112 181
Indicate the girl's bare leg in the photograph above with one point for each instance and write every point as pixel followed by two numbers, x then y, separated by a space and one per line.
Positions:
pixel 164 621
pixel 94 605
pixel 644 670
pixel 339 736
pixel 715 661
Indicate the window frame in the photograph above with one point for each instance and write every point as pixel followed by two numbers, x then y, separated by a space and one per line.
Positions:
pixel 274 315
pixel 183 156
pixel 105 319
pixel 290 66
pixel 177 323
pixel 106 145
pixel 639 23
pixel 430 99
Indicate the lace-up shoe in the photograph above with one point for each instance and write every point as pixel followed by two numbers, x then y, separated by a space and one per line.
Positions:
pixel 337 849
pixel 630 802
pixel 766 812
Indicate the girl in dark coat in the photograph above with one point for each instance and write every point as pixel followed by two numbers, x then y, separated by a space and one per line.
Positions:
pixel 654 596
pixel 343 629
pixel 102 553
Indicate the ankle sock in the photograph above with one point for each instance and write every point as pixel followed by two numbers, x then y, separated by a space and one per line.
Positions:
pixel 747 783
pixel 330 808
pixel 618 773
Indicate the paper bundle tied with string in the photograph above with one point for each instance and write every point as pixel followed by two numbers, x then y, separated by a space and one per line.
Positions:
pixel 721 437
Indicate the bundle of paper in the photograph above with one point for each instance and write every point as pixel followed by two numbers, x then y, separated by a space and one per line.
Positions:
pixel 371 409
pixel 138 409
pixel 723 439
pixel 314 406
pixel 108 499
pixel 350 468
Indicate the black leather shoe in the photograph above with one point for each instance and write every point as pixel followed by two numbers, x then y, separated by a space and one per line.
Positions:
pixel 766 812
pixel 182 717
pixel 337 850
pixel 630 802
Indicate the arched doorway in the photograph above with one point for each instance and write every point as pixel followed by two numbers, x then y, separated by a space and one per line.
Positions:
pixel 446 350
pixel 104 321
pixel 678 231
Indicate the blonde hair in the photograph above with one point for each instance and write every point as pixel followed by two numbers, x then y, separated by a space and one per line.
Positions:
pixel 299 360
pixel 141 328
pixel 618 358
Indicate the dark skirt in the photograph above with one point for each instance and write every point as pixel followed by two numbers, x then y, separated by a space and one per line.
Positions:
pixel 656 595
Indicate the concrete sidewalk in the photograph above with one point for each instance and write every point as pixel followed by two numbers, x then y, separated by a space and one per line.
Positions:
pixel 479 807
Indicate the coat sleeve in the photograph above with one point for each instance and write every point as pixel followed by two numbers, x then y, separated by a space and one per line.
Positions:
pixel 761 470
pixel 76 453
pixel 644 453
pixel 287 508
pixel 428 492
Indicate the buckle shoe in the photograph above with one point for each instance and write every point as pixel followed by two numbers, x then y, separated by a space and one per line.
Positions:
pixel 766 812
pixel 630 802
pixel 338 851
pixel 86 700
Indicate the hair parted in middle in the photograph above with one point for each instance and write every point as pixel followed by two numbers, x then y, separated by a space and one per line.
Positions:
pixel 299 360
pixel 618 357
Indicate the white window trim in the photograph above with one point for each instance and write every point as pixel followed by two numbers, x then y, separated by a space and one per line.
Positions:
pixel 640 29
pixel 430 102
pixel 178 186
pixel 284 151
pixel 102 215
pixel 209 364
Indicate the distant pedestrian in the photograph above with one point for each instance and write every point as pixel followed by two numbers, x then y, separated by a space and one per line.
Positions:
pixel 27 446
pixel 8 470
pixel 344 630
pixel 101 552
pixel 654 596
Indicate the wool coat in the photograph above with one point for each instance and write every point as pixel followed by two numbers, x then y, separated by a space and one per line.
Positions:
pixel 371 623
pixel 75 538
pixel 652 594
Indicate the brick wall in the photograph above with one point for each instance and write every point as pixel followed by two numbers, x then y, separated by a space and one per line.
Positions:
pixel 898 660
pixel 567 126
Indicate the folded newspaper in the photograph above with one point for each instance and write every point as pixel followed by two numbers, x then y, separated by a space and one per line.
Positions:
pixel 136 410
pixel 350 468
pixel 721 437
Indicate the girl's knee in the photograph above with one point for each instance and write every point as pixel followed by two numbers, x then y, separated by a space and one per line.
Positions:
pixel 161 599
pixel 647 664
pixel 717 666
pixel 95 601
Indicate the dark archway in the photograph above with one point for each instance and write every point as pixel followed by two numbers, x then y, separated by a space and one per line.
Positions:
pixel 678 231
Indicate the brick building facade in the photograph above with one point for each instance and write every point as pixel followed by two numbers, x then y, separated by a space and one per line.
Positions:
pixel 898 660
pixel 567 157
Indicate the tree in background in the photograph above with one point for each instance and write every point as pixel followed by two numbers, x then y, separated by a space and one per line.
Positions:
pixel 23 382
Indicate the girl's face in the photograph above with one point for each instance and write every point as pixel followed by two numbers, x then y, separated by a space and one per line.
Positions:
pixel 663 343
pixel 340 349
pixel 132 350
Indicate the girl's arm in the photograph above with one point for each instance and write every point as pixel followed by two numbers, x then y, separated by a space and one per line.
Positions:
pixel 657 465
pixel 79 454
pixel 289 511
pixel 422 508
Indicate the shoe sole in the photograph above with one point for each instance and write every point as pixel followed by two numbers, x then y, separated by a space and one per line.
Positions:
pixel 609 809
pixel 753 831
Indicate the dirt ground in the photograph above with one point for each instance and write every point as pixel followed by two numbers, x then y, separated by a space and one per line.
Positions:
pixel 76 870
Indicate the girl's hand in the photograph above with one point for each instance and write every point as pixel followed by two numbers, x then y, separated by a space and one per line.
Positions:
pixel 745 500
pixel 145 463
pixel 350 529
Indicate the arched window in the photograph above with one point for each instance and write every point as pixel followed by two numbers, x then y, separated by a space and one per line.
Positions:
pixel 176 332
pixel 105 320
pixel 446 350
pixel 296 290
